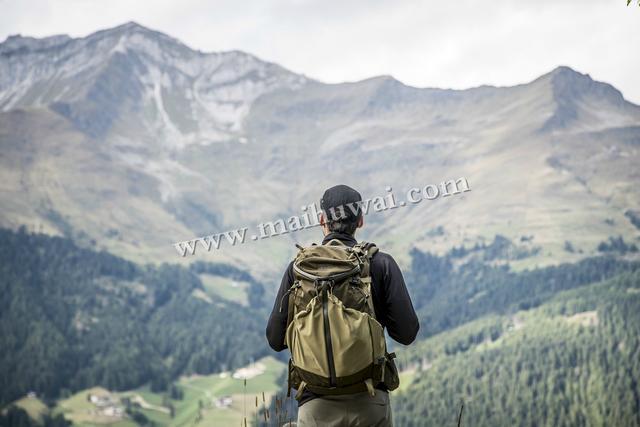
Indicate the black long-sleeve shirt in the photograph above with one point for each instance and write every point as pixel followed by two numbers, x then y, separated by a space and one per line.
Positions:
pixel 391 301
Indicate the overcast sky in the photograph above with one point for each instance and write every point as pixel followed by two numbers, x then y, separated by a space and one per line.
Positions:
pixel 422 43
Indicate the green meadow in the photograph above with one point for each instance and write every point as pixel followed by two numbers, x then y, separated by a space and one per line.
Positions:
pixel 197 407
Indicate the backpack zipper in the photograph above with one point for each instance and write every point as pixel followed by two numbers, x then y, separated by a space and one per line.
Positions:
pixel 327 337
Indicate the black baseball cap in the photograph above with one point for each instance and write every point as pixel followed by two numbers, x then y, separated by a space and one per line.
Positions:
pixel 343 197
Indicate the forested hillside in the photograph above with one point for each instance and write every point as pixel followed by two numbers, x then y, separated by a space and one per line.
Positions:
pixel 463 284
pixel 552 346
pixel 72 318
pixel 574 360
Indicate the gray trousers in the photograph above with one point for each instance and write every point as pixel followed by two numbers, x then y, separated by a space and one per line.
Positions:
pixel 350 410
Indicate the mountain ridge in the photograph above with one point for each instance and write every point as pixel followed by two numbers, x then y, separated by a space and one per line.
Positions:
pixel 171 143
pixel 132 27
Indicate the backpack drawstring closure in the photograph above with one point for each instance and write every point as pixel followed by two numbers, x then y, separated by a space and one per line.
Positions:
pixel 322 284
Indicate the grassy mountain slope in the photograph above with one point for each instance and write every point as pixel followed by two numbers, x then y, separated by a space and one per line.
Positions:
pixel 130 139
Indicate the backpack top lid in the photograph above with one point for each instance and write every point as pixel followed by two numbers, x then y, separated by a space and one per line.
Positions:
pixel 331 261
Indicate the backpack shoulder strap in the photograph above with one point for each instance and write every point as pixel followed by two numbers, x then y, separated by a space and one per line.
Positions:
pixel 366 251
pixel 290 293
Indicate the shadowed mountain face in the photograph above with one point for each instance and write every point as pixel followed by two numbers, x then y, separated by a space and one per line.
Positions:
pixel 133 140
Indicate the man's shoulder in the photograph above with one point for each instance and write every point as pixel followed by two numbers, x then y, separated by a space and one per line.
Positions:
pixel 290 266
pixel 382 260
pixel 288 272
pixel 380 255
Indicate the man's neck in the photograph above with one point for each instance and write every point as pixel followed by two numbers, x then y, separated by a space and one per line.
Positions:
pixel 347 239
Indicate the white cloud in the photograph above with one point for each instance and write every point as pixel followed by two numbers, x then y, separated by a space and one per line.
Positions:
pixel 422 43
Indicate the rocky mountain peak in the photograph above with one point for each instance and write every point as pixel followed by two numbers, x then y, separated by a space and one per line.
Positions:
pixel 573 91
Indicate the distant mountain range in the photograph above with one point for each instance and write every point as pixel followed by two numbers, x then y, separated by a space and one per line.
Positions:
pixel 128 140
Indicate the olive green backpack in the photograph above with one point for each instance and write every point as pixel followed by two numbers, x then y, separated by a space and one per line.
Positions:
pixel 337 345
